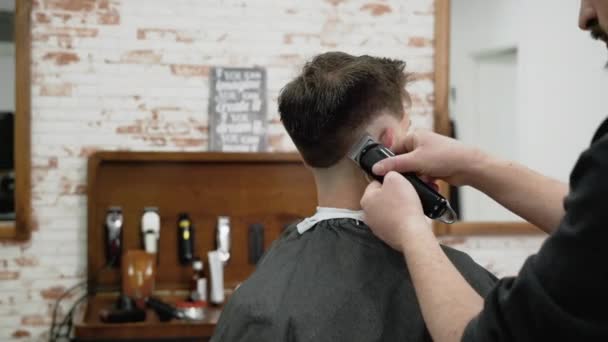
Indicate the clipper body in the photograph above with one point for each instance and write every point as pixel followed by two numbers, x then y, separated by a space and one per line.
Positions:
pixel 367 152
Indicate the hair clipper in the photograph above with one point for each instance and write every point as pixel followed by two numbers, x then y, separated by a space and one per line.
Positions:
pixel 114 223
pixel 223 238
pixel 366 152
pixel 185 239
pixel 150 229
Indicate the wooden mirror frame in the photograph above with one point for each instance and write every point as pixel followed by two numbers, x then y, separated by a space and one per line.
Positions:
pixel 20 229
pixel 442 125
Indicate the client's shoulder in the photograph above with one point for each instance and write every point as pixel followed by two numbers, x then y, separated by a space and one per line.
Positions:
pixel 459 258
pixel 477 276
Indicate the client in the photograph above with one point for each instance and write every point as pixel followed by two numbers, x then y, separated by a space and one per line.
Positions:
pixel 328 278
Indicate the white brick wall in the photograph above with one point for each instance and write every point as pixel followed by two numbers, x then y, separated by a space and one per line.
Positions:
pixel 133 75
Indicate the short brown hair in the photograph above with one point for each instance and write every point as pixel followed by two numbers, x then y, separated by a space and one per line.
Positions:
pixel 325 107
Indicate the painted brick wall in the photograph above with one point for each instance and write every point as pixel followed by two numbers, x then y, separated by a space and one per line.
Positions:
pixel 133 75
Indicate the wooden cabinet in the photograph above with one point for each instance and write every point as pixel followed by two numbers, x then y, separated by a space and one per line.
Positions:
pixel 269 189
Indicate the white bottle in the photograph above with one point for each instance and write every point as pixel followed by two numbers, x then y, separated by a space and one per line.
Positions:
pixel 216 273
pixel 199 282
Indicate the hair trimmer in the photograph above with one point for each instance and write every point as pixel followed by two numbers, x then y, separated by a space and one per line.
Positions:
pixel 114 223
pixel 366 152
pixel 150 229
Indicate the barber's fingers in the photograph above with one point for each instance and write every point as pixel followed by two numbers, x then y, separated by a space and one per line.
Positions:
pixel 409 143
pixel 400 163
pixel 405 161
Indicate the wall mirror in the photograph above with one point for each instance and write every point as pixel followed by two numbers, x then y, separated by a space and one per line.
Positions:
pixel 477 100
pixel 15 119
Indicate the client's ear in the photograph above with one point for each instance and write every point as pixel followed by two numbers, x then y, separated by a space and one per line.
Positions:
pixel 387 137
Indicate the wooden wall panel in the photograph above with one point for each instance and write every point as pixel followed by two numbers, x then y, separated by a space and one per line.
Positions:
pixel 272 189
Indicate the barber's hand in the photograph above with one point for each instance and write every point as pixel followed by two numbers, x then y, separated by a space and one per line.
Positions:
pixel 393 210
pixel 434 155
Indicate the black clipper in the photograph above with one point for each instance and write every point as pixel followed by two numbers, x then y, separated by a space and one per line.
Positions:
pixel 366 152
pixel 114 224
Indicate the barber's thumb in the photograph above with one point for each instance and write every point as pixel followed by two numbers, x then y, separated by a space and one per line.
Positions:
pixel 371 189
pixel 392 179
pixel 373 186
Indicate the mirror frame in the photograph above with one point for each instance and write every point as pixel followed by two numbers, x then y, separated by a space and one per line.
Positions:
pixel 441 117
pixel 20 229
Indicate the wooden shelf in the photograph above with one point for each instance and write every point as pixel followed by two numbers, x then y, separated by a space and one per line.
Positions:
pixel 93 329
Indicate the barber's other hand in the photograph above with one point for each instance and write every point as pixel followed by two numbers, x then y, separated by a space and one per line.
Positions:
pixel 393 210
pixel 434 155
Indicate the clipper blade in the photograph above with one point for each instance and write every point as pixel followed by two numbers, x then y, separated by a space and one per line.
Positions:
pixel 449 215
pixel 355 152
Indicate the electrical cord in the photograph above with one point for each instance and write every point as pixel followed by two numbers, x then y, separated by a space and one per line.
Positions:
pixel 53 334
pixel 55 330
pixel 64 329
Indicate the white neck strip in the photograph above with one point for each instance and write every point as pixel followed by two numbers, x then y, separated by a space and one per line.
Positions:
pixel 324 214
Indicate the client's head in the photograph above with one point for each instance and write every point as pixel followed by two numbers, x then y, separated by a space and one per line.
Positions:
pixel 337 98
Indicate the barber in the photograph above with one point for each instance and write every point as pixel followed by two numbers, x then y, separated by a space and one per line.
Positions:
pixel 561 293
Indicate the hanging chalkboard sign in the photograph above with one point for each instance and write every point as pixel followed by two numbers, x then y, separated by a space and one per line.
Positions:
pixel 237 110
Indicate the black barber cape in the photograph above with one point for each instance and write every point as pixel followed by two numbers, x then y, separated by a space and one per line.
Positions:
pixel 335 282
pixel 561 293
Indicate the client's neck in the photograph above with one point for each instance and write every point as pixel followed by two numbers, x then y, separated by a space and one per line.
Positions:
pixel 340 186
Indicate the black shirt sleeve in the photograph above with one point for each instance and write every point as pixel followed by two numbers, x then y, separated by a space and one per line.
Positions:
pixel 561 293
